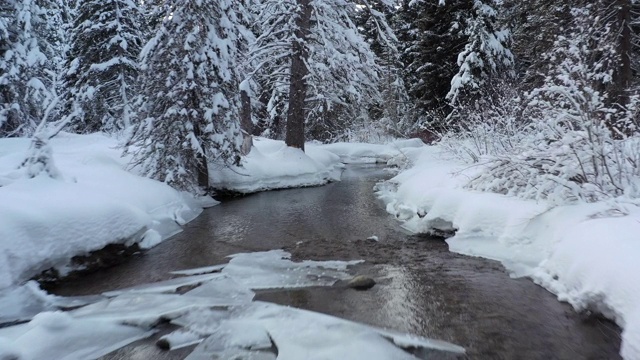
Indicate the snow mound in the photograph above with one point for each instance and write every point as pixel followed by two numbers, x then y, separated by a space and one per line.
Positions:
pixel 273 165
pixel 45 222
pixel 586 254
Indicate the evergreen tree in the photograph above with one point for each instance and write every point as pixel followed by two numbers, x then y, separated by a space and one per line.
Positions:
pixel 318 68
pixel 102 67
pixel 28 66
pixel 485 55
pixel 430 38
pixel 189 116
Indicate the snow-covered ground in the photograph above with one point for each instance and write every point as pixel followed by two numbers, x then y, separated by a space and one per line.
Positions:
pixel 218 315
pixel 587 254
pixel 44 222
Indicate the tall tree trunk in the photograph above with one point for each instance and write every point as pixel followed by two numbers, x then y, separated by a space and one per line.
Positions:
pixel 624 72
pixel 246 125
pixel 203 164
pixel 298 84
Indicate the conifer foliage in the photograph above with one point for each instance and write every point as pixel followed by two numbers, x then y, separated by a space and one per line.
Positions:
pixel 102 64
pixel 189 116
pixel 27 64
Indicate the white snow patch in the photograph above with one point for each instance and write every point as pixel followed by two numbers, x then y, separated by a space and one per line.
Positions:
pixel 586 254
pixel 274 270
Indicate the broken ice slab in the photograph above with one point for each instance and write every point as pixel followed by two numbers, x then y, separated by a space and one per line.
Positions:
pixel 274 270
pixel 300 334
pixel 203 353
pixel 168 286
pixel 199 271
pixel 57 335
pixel 179 339
pixel 223 290
pixel 143 309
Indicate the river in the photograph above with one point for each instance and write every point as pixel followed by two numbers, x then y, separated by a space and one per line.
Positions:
pixel 422 287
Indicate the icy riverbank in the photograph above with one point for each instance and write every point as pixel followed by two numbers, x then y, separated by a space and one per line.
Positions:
pixel 586 254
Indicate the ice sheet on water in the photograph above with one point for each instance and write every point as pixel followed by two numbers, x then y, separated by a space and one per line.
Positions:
pixel 199 271
pixel 300 334
pixel 203 353
pixel 223 291
pixel 142 309
pixel 232 338
pixel 168 286
pixel 274 270
pixel 57 335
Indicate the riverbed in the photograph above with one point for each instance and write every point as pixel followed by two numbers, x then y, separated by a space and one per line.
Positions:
pixel 422 287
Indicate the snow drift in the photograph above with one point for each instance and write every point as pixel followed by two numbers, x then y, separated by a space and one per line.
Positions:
pixel 44 222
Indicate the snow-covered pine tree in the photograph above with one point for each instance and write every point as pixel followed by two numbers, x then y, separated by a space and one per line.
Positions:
pixel 102 67
pixel 8 33
pixel 431 37
pixel 395 116
pixel 28 65
pixel 189 116
pixel 486 54
pixel 318 67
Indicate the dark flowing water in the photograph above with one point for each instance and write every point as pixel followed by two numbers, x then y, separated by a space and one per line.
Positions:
pixel 422 287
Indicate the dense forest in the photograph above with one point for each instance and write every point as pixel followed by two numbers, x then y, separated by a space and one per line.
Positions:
pixel 542 93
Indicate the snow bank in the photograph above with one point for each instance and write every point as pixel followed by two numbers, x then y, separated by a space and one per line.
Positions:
pixel 361 153
pixel 586 254
pixel 45 222
pixel 273 165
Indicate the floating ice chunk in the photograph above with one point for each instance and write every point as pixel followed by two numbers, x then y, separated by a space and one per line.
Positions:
pixel 57 335
pixel 234 338
pixel 204 353
pixel 407 341
pixel 142 309
pixel 274 270
pixel 179 339
pixel 199 271
pixel 150 239
pixel 203 321
pixel 300 334
pixel 168 286
pixel 223 291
